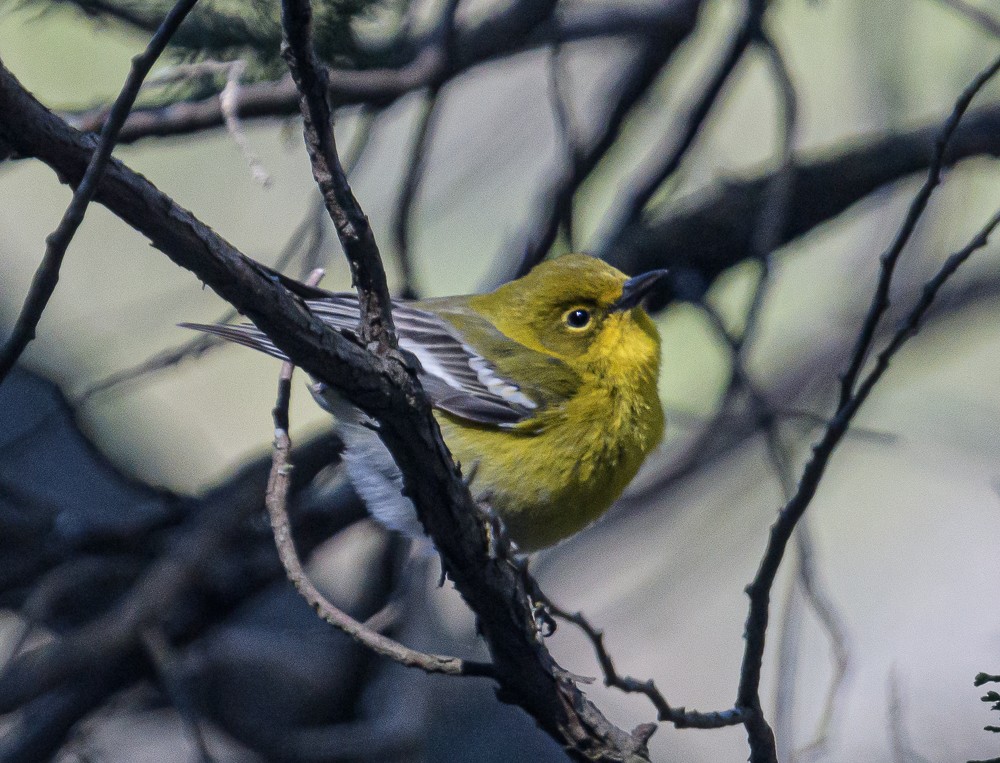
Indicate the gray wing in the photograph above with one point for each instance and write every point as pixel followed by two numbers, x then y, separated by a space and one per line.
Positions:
pixel 456 378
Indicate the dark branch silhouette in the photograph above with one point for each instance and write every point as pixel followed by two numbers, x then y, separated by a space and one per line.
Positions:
pixel 47 275
pixel 148 600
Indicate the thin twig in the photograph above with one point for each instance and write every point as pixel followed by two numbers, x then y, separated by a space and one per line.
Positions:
pixel 678 716
pixel 977 15
pixel 387 617
pixel 360 140
pixel 677 144
pixel 566 130
pixel 880 300
pixel 634 81
pixel 773 216
pixel 445 40
pixel 276 499
pixel 350 221
pixel 787 659
pixel 902 750
pixel 832 622
pixel 47 276
pixel 762 747
pixel 408 193
pixel 808 583
pixel 791 625
pixel 739 378
pixel 229 98
pixel 170 75
pixel 229 104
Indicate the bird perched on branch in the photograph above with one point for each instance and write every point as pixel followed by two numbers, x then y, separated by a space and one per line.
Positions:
pixel 545 391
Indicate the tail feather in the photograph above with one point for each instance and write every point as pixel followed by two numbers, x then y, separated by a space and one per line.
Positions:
pixel 370 466
pixel 245 334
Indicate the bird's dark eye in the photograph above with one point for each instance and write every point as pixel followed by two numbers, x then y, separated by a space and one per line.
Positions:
pixel 578 318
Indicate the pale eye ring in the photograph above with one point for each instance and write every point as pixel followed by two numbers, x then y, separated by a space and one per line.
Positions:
pixel 577 318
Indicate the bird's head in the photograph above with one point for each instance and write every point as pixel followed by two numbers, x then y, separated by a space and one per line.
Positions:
pixel 579 309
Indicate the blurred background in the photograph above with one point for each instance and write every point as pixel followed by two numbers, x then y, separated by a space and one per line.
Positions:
pixel 138 573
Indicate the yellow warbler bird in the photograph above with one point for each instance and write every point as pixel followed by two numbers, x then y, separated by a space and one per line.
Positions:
pixel 545 390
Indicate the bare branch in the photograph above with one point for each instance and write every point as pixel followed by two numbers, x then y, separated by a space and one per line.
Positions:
pixel 418 154
pixel 880 300
pixel 974 14
pixel 760 735
pixel 832 622
pixel 277 494
pixel 678 716
pixel 408 193
pixel 633 82
pixel 781 530
pixel 228 103
pixel 519 26
pixel 350 221
pixel 672 153
pixel 773 216
pixel 899 739
pixel 47 275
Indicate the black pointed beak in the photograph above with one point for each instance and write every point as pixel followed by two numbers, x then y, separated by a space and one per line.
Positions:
pixel 636 288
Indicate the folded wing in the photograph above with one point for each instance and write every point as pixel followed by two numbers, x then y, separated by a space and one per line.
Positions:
pixel 457 378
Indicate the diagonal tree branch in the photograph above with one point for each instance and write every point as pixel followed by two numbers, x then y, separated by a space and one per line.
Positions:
pixel 974 14
pixel 416 64
pixel 352 226
pixel 633 82
pixel 671 155
pixel 418 153
pixel 759 590
pixel 880 300
pixel 711 231
pixel 520 660
pixel 382 388
pixel 47 275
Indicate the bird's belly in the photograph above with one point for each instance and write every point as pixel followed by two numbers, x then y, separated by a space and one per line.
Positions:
pixel 545 486
pixel 550 485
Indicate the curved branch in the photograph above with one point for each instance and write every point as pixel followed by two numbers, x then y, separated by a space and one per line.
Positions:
pixel 353 229
pixel 711 231
pixel 672 154
pixel 523 26
pixel 859 387
pixel 381 387
pixel 278 483
pixel 47 275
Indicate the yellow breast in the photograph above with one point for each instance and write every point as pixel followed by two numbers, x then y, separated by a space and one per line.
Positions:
pixel 579 457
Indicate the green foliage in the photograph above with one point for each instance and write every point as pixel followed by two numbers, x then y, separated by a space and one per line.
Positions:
pixel 226 30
